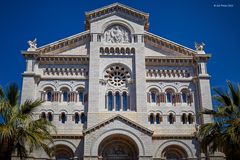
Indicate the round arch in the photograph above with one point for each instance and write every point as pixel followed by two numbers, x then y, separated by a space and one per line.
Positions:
pixel 65 85
pixel 169 87
pixel 64 147
pixel 78 86
pixel 154 87
pixel 174 147
pixel 63 152
pixel 129 135
pixel 120 22
pixel 119 146
pixel 49 85
pixel 184 87
pixel 171 111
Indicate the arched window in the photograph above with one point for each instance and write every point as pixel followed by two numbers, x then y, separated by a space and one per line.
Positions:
pixel 185 93
pixel 106 50
pixel 158 118
pixel 118 101
pixel 124 97
pixel 111 50
pixel 153 97
pixel 127 50
pixel 133 50
pixel 110 101
pixel 65 96
pixel 101 50
pixel 80 94
pixel 63 117
pixel 122 50
pixel 76 118
pixel 50 116
pixel 117 50
pixel 83 118
pixel 184 118
pixel 49 95
pixel 171 118
pixel 169 96
pixel 151 119
pixel 184 97
pixel 43 115
pixel 190 118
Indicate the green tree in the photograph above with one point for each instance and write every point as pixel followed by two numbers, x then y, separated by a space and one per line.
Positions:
pixel 20 133
pixel 223 133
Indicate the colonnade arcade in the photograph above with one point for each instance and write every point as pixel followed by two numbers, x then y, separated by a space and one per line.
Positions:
pixel 64 95
pixel 117 101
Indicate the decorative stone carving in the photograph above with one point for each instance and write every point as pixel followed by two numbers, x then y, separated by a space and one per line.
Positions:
pixel 117 75
pixel 117 34
pixel 199 46
pixel 32 45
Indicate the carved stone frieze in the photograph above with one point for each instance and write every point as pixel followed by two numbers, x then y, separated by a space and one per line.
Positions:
pixel 117 34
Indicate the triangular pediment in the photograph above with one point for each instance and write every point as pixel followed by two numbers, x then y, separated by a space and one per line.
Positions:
pixel 123 120
pixel 116 8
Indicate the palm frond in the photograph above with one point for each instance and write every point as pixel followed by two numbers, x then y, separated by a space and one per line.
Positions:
pixel 19 130
pixel 222 98
pixel 208 111
pixel 1 93
pixel 234 93
pixel 12 94
pixel 28 106
pixel 224 133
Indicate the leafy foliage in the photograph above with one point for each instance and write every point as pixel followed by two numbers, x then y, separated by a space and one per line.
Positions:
pixel 19 131
pixel 224 133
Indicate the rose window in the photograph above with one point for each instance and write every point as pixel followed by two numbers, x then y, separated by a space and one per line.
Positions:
pixel 117 75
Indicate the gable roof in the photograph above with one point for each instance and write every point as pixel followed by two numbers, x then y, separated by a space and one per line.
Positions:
pixel 116 7
pixel 66 43
pixel 121 118
pixel 160 42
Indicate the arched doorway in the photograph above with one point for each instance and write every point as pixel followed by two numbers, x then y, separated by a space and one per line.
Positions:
pixel 174 152
pixel 63 152
pixel 118 147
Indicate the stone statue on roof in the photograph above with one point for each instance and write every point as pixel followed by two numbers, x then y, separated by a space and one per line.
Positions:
pixel 199 46
pixel 32 45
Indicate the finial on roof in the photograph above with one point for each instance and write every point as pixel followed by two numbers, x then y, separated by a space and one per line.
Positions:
pixel 32 45
pixel 199 46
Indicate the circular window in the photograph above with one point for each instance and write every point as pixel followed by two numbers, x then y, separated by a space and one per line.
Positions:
pixel 117 75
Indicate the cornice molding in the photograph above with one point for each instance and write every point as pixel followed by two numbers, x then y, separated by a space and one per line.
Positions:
pixel 169 60
pixel 67 136
pixel 173 136
pixel 63 59
pixel 202 57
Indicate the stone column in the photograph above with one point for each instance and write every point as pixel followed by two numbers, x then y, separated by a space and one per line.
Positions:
pixel 203 84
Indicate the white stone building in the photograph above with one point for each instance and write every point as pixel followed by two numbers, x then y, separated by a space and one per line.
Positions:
pixel 116 91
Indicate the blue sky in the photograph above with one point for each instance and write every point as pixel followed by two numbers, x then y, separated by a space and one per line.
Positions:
pixel 215 22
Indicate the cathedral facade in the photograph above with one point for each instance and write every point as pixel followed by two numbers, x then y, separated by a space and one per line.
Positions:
pixel 117 91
